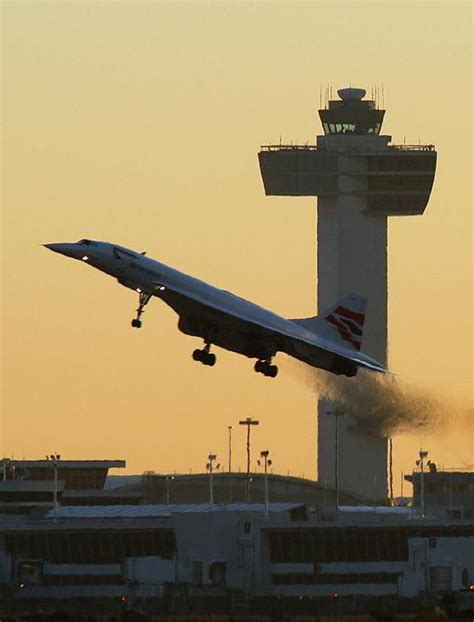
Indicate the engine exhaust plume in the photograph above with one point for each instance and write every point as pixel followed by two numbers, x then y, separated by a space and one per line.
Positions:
pixel 381 404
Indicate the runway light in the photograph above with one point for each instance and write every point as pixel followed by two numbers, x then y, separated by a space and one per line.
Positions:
pixel 85 258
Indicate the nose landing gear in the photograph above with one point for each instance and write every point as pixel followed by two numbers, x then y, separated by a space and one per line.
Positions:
pixel 266 368
pixel 143 300
pixel 204 356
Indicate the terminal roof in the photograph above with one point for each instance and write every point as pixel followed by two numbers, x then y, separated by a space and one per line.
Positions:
pixel 161 511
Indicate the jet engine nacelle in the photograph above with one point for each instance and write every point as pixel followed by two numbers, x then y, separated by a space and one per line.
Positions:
pixel 344 368
pixel 191 325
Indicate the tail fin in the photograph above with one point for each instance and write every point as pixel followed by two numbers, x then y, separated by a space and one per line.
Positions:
pixel 343 322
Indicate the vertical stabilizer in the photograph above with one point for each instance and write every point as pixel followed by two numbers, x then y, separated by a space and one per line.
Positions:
pixel 343 322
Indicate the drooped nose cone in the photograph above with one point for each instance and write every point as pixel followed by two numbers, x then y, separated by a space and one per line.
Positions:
pixel 66 248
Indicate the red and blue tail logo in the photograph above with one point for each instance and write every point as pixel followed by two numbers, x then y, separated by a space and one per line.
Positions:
pixel 350 325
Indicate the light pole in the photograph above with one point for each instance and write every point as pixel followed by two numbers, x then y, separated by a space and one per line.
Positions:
pixel 336 414
pixel 248 422
pixel 210 468
pixel 55 459
pixel 168 478
pixel 421 464
pixel 230 428
pixel 5 460
pixel 266 464
pixel 390 468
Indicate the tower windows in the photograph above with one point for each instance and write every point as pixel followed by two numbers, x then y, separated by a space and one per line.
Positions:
pixel 351 128
pixel 403 162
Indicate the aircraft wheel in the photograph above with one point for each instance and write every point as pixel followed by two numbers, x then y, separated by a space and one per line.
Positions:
pixel 210 359
pixel 259 367
pixel 273 371
pixel 136 323
pixel 197 355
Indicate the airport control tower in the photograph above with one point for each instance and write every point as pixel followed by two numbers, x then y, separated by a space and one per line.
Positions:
pixel 360 179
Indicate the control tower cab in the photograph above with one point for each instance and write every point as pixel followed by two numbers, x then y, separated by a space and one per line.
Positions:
pixel 360 179
pixel 352 157
pixel 351 115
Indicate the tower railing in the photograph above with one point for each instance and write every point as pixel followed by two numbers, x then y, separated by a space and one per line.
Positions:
pixel 281 147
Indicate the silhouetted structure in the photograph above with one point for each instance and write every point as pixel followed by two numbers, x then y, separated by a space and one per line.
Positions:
pixel 360 179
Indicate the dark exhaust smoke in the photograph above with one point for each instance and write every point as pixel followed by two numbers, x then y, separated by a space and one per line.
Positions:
pixel 384 405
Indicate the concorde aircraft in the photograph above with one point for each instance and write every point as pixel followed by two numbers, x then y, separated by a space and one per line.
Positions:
pixel 330 341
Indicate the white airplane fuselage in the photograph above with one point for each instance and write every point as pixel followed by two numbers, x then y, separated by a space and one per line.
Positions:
pixel 217 316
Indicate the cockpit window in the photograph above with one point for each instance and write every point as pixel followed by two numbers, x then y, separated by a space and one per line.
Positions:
pixel 87 242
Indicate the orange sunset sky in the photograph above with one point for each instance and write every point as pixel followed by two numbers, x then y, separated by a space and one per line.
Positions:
pixel 139 123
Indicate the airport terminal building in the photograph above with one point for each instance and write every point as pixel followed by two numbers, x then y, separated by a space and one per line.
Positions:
pixel 100 558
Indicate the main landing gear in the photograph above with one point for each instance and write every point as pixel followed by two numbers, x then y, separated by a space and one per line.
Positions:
pixel 266 368
pixel 204 356
pixel 143 300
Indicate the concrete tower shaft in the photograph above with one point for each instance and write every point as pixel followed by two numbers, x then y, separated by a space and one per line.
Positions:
pixel 359 179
